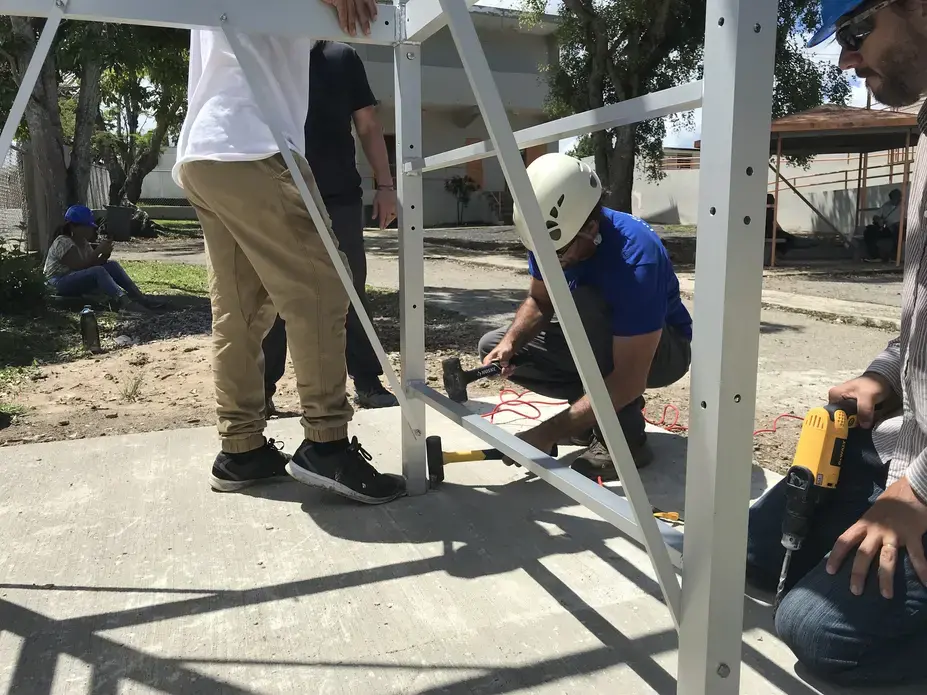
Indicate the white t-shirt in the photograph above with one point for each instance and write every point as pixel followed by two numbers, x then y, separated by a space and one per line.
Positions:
pixel 224 122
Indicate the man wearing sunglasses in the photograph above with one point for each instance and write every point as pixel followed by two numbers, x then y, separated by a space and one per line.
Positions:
pixel 856 608
pixel 627 294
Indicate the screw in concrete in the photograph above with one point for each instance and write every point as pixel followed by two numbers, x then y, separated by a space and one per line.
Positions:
pixel 417 433
pixel 224 18
pixel 757 28
pixel 724 670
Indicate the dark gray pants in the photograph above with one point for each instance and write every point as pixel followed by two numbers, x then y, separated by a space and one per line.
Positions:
pixel 362 362
pixel 546 366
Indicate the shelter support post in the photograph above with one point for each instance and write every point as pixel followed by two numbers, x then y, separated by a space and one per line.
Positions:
pixel 775 226
pixel 740 40
pixel 859 192
pixel 902 222
pixel 407 60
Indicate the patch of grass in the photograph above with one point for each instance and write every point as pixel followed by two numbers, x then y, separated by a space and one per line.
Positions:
pixel 181 229
pixel 12 409
pixel 155 277
pixel 132 388
pixel 25 341
pixel 687 229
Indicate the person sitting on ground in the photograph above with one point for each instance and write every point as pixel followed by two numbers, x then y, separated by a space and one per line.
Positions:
pixel 855 611
pixel 627 294
pixel 74 267
pixel 885 225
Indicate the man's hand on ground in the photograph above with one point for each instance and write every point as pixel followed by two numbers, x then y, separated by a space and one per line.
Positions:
pixel 352 12
pixel 898 520
pixel 502 354
pixel 868 390
pixel 384 207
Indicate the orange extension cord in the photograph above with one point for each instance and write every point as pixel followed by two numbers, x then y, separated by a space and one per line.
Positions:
pixel 510 401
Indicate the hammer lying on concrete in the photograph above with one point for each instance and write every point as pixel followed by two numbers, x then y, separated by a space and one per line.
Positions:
pixel 456 379
pixel 438 459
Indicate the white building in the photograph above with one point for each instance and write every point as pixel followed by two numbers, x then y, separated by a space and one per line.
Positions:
pixel 450 118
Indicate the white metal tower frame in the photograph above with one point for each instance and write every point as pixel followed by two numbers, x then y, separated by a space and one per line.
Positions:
pixel 735 97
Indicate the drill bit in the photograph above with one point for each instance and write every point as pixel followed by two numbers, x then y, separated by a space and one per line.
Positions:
pixel 780 590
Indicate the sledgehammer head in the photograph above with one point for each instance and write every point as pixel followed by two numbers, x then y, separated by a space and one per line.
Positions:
pixel 455 381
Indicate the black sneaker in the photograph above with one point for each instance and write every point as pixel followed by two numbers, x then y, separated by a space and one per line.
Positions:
pixel 346 472
pixel 375 396
pixel 232 472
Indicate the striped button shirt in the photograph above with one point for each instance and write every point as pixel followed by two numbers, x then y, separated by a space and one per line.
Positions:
pixel 902 439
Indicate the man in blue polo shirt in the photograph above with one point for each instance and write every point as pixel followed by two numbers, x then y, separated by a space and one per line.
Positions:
pixel 627 295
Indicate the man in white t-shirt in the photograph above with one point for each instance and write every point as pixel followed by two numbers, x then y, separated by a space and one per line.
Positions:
pixel 259 236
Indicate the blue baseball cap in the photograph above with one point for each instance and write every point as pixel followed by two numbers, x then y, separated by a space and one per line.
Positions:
pixel 80 214
pixel 831 11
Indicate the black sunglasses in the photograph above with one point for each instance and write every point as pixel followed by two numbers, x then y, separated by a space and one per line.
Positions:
pixel 855 30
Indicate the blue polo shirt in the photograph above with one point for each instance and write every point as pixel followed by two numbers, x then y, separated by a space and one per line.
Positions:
pixel 633 272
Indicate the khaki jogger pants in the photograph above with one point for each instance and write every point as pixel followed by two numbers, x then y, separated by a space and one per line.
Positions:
pixel 265 256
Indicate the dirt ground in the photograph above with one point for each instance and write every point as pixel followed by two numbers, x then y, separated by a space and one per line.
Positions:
pixel 165 380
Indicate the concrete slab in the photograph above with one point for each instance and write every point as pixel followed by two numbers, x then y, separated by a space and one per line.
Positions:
pixel 124 573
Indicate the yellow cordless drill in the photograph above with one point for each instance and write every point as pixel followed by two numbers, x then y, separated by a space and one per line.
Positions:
pixel 814 472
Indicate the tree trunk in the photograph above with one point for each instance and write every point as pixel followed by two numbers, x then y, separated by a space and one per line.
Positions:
pixel 48 197
pixel 621 170
pixel 88 106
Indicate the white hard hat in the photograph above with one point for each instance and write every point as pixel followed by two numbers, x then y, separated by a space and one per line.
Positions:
pixel 568 191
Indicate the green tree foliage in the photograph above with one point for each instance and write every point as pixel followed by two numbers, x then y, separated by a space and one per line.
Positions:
pixel 138 70
pixel 144 104
pixel 614 50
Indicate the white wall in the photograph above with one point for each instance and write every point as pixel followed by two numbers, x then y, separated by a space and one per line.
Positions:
pixel 440 132
pixel 449 113
pixel 675 199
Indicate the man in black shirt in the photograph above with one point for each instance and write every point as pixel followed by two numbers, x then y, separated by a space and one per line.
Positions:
pixel 339 95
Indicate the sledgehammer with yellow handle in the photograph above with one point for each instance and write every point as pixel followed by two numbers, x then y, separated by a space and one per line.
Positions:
pixel 438 459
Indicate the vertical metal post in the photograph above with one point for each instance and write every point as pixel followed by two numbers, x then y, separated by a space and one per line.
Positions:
pixel 408 95
pixel 30 79
pixel 772 251
pixel 902 222
pixel 739 60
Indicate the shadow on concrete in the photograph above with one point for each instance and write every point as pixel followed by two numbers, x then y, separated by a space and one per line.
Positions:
pixel 483 533
pixel 767 327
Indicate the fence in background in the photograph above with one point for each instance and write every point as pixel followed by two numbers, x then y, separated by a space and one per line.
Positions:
pixel 13 206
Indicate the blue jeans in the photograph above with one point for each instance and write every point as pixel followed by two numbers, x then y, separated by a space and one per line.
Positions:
pixel 847 639
pixel 108 278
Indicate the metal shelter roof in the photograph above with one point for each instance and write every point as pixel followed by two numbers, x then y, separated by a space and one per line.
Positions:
pixel 832 129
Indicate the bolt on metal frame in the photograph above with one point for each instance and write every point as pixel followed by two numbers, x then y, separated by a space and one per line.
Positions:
pixel 736 100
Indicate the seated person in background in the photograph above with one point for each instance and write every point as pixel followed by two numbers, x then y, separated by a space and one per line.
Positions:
pixel 788 240
pixel 885 225
pixel 627 294
pixel 74 268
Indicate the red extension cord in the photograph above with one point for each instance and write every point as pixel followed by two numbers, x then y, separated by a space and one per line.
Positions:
pixel 511 400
